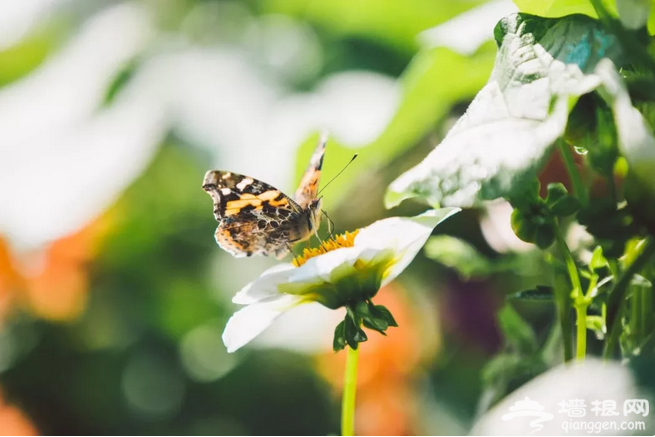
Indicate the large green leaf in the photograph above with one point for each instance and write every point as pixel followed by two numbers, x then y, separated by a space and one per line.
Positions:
pixel 542 66
pixel 560 8
pixel 393 22
pixel 636 141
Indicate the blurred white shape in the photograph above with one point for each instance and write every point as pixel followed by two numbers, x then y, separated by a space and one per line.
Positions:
pixel 634 13
pixel 466 32
pixel 593 380
pixel 63 160
pixel 18 17
pixel 288 47
pixel 356 106
pixel 222 102
pixel 69 87
pixel 496 226
pixel 306 329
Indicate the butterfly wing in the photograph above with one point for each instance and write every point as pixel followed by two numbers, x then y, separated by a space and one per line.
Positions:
pixel 308 189
pixel 254 218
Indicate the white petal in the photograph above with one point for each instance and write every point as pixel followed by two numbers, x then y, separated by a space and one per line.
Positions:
pixel 404 235
pixel 313 320
pixel 250 321
pixel 321 267
pixel 265 286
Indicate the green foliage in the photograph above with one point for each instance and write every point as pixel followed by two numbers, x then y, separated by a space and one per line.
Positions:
pixel 559 8
pixel 459 255
pixel 520 360
pixel 388 21
pixel 541 293
pixel 349 332
pixel 518 334
pixel 534 218
pixel 500 144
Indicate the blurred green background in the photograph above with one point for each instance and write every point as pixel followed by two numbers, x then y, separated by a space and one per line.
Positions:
pixel 113 293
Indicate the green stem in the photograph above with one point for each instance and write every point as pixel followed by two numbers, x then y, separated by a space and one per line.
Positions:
pixel 349 391
pixel 616 298
pixel 569 162
pixel 581 334
pixel 635 323
pixel 569 261
pixel 563 299
pixel 575 294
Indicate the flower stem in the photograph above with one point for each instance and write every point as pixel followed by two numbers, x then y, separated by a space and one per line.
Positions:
pixel 569 162
pixel 576 295
pixel 581 340
pixel 571 268
pixel 349 391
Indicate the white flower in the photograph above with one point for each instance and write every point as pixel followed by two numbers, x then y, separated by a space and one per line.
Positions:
pixel 347 270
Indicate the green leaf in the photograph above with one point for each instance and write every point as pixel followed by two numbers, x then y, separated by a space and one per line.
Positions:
pixel 542 67
pixel 353 333
pixel 541 293
pixel 517 332
pixel 458 255
pixel 556 192
pixel 382 312
pixel 339 341
pixel 387 21
pixel 370 321
pixel 560 8
pixel 598 261
pixel 597 324
pixel 635 135
pixel 559 202
pixel 535 228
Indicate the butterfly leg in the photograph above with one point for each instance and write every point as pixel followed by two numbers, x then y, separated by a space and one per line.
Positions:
pixel 295 260
pixel 330 225
pixel 319 240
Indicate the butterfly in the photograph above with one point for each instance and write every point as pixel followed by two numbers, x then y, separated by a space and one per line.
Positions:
pixel 255 218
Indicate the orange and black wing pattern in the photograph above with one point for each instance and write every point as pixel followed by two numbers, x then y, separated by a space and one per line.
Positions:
pixel 254 218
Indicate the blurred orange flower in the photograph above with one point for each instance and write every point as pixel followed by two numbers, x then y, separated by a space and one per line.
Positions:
pixel 387 386
pixel 52 284
pixel 13 421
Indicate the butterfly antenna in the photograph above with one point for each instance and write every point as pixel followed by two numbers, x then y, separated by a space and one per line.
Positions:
pixel 337 175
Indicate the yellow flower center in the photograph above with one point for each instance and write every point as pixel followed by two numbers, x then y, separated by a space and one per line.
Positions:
pixel 341 240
